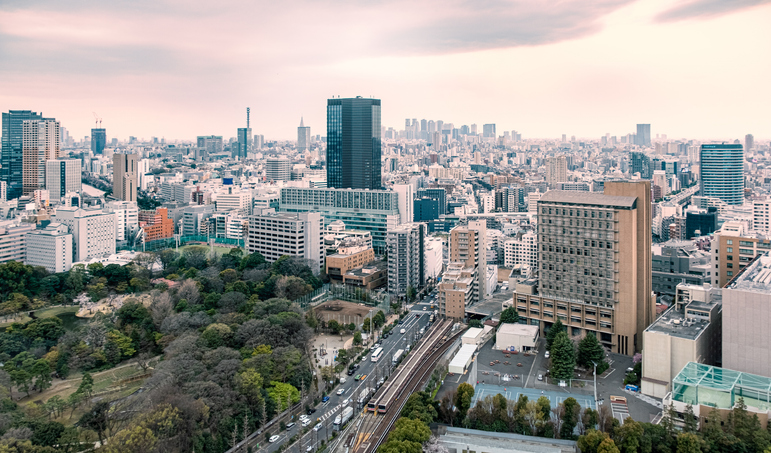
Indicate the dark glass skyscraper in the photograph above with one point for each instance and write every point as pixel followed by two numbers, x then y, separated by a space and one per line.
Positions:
pixel 722 172
pixel 98 140
pixel 353 143
pixel 11 156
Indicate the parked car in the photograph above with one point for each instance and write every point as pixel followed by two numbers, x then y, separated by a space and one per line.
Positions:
pixel 546 355
pixel 540 377
pixel 306 422
pixel 311 410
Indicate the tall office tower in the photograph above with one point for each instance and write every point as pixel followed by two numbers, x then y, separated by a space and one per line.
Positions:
pixel 208 145
pixel 464 282
pixel 488 131
pixel 40 142
pixel 303 138
pixel 244 139
pixel 353 143
pixel 749 142
pixel 406 255
pixel 722 172
pixel 643 137
pixel 11 160
pixel 556 170
pixel 278 169
pixel 596 270
pixel 438 194
pixel 124 176
pixel 63 176
pixel 98 140
pixel 406 199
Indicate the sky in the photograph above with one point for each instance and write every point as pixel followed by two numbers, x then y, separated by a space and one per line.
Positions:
pixel 697 69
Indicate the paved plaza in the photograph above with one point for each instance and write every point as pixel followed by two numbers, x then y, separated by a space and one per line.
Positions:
pixel 513 393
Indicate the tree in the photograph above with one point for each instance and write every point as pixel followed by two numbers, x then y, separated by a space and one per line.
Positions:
pixel 130 440
pixel 590 442
pixel 189 292
pixel 474 323
pixel 555 328
pixel 570 418
pixel 195 256
pixel 691 422
pixel 411 293
pixel 357 337
pixel 86 385
pixel 563 357
pixel 463 396
pixel 334 326
pixel 627 437
pixel 292 288
pixel 252 261
pixel 146 260
pixel 510 316
pixel 590 351
pixel 167 258
pixel 281 393
pixel 688 443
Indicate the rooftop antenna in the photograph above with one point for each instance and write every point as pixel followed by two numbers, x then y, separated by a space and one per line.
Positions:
pixel 247 117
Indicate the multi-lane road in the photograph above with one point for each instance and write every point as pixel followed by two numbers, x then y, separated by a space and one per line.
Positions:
pixel 327 411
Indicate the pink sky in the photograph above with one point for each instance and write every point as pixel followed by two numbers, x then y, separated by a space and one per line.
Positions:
pixel 176 69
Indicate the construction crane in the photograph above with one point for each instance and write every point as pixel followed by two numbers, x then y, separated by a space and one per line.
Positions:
pixel 97 120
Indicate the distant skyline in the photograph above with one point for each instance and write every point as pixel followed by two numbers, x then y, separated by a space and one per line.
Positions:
pixel 177 69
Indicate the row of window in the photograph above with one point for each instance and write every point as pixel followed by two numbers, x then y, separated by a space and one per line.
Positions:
pixel 578 213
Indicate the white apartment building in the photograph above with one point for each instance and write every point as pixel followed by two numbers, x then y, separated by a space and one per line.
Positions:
pixel 532 202
pixel 229 225
pixel 126 218
pixel 274 235
pixel 487 202
pixel 234 199
pixel 434 257
pixel 406 200
pixel 556 170
pixel 93 231
pixel 761 216
pixel 50 248
pixel 13 240
pixel 62 177
pixel 406 259
pixel 521 250
pixel 278 169
pixel 194 219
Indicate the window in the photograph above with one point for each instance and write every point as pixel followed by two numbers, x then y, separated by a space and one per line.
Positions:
pixel 729 242
pixel 729 249
pixel 729 273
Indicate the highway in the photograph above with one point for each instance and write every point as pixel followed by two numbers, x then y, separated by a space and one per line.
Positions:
pixel 326 412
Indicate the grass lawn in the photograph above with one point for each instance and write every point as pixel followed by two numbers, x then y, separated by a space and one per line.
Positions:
pixel 62 312
pixel 218 249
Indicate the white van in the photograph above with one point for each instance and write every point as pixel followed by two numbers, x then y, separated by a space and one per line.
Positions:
pixel 402 331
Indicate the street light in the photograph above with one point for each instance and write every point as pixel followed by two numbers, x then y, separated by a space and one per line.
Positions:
pixel 595 385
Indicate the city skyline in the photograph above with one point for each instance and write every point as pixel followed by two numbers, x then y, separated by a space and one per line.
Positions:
pixel 580 69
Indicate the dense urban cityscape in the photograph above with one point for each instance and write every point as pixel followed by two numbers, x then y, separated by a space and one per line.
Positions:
pixel 385 227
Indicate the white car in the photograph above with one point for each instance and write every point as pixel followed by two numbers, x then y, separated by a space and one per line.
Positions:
pixel 425 308
pixel 274 438
pixel 305 422
pixel 342 380
pixel 303 417
pixel 340 391
pixel 318 427
pixel 346 401
pixel 546 355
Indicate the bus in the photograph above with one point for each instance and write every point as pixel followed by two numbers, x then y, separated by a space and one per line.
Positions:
pixel 376 355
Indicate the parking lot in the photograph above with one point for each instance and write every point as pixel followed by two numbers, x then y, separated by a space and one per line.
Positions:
pixel 520 376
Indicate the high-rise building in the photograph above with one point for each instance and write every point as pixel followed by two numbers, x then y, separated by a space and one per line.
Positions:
pixel 438 194
pixel 488 131
pixel 93 231
pixel 124 176
pixel 556 170
pixel 50 247
pixel 761 216
pixel 468 260
pixel 303 138
pixel 595 269
pixel 208 145
pixel 722 172
pixel 244 139
pixel 406 254
pixel 11 159
pixel 40 142
pixel 62 177
pixel 641 164
pixel 98 140
pixel 733 248
pixel 406 200
pixel 13 240
pixel 301 235
pixel 749 143
pixel 353 143
pixel 126 219
pixel 643 137
pixel 278 169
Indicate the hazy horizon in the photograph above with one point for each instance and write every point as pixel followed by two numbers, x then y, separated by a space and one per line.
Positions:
pixel 175 69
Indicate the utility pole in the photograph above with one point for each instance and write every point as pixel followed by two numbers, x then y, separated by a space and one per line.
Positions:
pixel 595 385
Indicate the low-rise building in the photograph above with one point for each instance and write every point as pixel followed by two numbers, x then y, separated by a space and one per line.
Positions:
pixel 371 276
pixel 156 224
pixel 275 234
pixel 456 291
pixel 516 337
pixel 13 240
pixel 689 331
pixel 676 262
pixel 352 253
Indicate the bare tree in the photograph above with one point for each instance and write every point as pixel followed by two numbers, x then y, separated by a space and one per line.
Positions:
pixel 146 260
pixel 161 308
pixel 143 361
pixel 559 416
pixel 605 422
pixel 189 292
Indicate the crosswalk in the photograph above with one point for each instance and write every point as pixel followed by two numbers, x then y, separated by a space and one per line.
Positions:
pixel 619 408
pixel 329 413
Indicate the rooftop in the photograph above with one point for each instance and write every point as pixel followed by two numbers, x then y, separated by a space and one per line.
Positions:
pixel 460 439
pixel 587 198
pixel 518 329
pixel 707 385
pixel 756 277
pixel 674 323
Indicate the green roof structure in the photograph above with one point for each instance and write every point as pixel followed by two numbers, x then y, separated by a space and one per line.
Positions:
pixel 706 385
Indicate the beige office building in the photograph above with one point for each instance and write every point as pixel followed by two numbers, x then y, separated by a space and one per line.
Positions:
pixel 352 253
pixel 40 142
pixel 463 283
pixel 125 176
pixel 556 170
pixel 594 265
pixel 457 290
pixel 734 246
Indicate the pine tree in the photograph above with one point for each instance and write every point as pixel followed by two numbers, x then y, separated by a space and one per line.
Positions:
pixel 563 359
pixel 555 328
pixel 590 351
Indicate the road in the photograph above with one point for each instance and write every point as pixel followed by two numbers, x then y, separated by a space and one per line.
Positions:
pixel 327 411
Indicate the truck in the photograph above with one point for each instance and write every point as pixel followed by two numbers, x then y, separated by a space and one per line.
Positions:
pixel 343 418
pixel 398 355
pixel 363 396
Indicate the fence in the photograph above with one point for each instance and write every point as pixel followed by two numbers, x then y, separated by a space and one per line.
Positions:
pixel 167 243
pixel 346 293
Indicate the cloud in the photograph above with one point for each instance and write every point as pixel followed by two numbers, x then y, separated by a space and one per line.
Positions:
pixel 704 9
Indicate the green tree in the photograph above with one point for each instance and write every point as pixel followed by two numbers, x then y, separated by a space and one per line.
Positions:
pixel 167 258
pixel 379 319
pixel 463 396
pixel 249 383
pixel 590 442
pixel 334 326
pixel 510 316
pixel 571 412
pixel 130 440
pixel 555 328
pixel 86 386
pixel 590 351
pixel 357 337
pixel 688 443
pixel 252 261
pixel 41 370
pixel 628 436
pixel 690 421
pixel 563 357
pixel 411 294
pixel 216 335
pixel 280 392
pixel 607 446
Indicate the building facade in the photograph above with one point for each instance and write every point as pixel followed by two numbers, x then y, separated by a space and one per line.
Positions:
pixel 351 253
pixel 303 138
pixel 125 176
pixel 679 262
pixel 50 247
pixel 13 241
pixel 721 172
pixel 63 176
pixel 353 143
pixel 98 141
pixel 278 169
pixel 277 234
pixel 40 143
pixel 11 153
pixel 733 248
pixel 93 231
pixel 406 258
